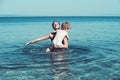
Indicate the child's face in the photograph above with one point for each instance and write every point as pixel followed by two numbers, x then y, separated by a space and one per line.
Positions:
pixel 68 28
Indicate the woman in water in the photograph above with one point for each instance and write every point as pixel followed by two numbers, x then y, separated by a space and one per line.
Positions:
pixel 56 26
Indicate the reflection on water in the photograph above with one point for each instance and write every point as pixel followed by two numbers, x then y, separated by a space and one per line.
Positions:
pixel 58 62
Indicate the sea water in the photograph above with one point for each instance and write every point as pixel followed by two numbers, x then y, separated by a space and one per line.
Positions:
pixel 93 53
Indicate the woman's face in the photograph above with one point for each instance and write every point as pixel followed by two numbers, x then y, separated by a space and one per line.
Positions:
pixel 56 25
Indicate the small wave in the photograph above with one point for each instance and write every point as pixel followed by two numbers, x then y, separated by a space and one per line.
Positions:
pixel 19 66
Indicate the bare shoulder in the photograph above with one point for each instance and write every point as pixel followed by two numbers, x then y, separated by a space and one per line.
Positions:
pixel 53 32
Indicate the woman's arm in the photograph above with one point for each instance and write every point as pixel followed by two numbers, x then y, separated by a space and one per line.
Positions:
pixel 38 39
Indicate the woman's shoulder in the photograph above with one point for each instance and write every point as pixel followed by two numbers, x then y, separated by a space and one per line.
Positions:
pixel 53 32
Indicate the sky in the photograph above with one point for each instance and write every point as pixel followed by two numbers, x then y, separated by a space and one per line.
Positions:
pixel 59 7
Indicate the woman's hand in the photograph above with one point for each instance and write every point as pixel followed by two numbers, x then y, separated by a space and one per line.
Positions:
pixel 27 43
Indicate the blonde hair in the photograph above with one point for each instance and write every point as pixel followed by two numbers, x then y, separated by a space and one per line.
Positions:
pixel 65 25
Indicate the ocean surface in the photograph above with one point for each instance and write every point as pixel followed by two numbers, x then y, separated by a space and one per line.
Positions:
pixel 93 53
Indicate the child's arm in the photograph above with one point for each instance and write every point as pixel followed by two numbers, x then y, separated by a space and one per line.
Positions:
pixel 67 36
pixel 65 45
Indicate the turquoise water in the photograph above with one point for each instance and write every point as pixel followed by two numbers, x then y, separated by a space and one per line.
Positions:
pixel 93 52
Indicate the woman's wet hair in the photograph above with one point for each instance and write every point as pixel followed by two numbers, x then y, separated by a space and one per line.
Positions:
pixel 54 22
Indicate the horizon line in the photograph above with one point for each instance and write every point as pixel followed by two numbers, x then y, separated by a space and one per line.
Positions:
pixel 58 16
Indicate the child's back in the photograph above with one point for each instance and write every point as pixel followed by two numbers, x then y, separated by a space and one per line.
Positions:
pixel 60 35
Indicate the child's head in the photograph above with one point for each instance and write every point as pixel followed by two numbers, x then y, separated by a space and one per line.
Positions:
pixel 55 25
pixel 65 26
